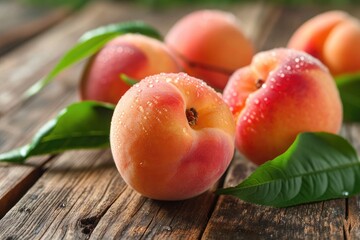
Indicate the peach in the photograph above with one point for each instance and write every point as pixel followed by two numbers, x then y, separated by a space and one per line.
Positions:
pixel 211 45
pixel 333 37
pixel 134 55
pixel 172 136
pixel 282 93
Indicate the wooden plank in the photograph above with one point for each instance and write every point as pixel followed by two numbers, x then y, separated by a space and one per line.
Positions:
pixel 239 220
pixel 17 179
pixel 352 219
pixel 81 194
pixel 19 22
pixel 133 216
pixel 76 185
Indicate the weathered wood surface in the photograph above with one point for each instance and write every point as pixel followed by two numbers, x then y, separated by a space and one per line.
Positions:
pixel 80 195
pixel 19 23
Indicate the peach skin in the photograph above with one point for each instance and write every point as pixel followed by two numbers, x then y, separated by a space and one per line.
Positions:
pixel 134 55
pixel 282 93
pixel 210 45
pixel 172 136
pixel 333 37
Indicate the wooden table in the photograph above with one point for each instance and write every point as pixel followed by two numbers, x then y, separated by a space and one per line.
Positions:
pixel 80 195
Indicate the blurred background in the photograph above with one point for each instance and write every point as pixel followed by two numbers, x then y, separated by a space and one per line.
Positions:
pixel 172 3
pixel 21 20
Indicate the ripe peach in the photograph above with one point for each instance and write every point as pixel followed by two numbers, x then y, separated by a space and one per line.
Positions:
pixel 333 37
pixel 282 93
pixel 210 45
pixel 172 136
pixel 134 55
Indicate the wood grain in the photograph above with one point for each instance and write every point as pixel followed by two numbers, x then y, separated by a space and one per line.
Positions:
pixel 20 22
pixel 181 219
pixel 236 219
pixel 80 195
pixel 76 188
pixel 27 64
pixel 134 217
pixel 17 130
pixel 22 118
pixel 352 219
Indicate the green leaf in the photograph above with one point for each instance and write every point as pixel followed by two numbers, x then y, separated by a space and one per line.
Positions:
pixel 121 28
pixel 349 89
pixel 317 167
pixel 128 80
pixel 91 42
pixel 80 125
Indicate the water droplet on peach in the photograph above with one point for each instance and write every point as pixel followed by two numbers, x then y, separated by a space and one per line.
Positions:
pixel 158 119
pixel 184 130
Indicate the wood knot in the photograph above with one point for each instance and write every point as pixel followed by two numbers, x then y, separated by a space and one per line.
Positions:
pixel 88 224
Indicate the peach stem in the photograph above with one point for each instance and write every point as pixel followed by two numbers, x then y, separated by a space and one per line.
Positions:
pixel 192 116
